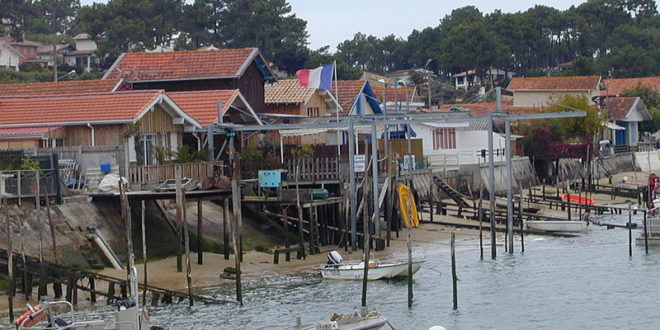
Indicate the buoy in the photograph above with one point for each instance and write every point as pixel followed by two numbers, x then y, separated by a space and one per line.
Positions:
pixel 437 327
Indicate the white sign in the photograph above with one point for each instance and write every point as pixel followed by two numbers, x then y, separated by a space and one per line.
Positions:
pixel 359 163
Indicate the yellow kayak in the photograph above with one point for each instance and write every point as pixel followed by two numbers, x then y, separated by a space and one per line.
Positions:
pixel 407 206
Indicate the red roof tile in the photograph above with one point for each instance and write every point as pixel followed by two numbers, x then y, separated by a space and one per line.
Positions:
pixel 223 63
pixel 287 91
pixel 396 94
pixel 618 107
pixel 26 131
pixel 614 87
pixel 349 90
pixel 118 106
pixel 203 105
pixel 576 83
pixel 59 88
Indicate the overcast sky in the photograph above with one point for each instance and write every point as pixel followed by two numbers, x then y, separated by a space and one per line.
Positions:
pixel 330 22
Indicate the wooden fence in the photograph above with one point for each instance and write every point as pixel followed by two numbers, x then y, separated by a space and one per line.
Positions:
pixel 159 173
pixel 315 169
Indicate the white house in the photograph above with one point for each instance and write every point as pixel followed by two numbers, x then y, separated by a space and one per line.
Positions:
pixel 9 56
pixel 466 79
pixel 83 56
pixel 455 144
pixel 541 91
pixel 626 112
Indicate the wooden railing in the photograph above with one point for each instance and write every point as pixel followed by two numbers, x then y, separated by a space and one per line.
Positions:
pixel 159 173
pixel 315 169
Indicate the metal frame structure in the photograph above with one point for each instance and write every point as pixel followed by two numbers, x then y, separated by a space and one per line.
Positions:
pixel 350 123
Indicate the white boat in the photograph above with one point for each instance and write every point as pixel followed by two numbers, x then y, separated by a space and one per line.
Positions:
pixel 568 226
pixel 352 321
pixel 338 269
pixel 652 228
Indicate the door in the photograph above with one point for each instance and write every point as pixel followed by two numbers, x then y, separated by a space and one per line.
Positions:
pixel 144 149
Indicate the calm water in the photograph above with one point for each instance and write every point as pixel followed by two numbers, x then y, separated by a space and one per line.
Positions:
pixel 558 283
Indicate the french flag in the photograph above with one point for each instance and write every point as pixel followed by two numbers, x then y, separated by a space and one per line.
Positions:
pixel 319 78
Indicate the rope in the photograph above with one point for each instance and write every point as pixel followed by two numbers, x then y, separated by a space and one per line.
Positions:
pixel 390 324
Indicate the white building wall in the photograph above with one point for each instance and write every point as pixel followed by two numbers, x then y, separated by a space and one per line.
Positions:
pixel 8 58
pixel 541 99
pixel 468 145
pixel 86 44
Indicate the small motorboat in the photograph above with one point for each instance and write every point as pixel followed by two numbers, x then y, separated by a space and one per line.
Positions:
pixel 567 226
pixel 338 269
pixel 652 226
pixel 575 199
pixel 364 320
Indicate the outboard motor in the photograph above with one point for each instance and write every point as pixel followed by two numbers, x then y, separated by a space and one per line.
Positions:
pixel 334 258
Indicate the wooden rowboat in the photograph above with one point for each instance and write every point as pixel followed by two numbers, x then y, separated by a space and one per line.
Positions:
pixel 577 199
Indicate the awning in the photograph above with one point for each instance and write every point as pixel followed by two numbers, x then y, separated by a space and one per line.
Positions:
pixel 302 132
pixel 613 126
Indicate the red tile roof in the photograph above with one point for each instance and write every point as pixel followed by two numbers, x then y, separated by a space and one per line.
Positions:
pixel 398 94
pixel 59 88
pixel 38 131
pixel 349 90
pixel 618 107
pixel 83 108
pixel 223 63
pixel 614 87
pixel 477 109
pixel 571 83
pixel 203 105
pixel 287 91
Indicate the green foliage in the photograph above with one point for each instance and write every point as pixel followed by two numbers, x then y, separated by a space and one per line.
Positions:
pixel 131 129
pixel 186 154
pixel 252 154
pixel 11 76
pixel 159 154
pixel 575 129
pixel 304 151
pixel 29 164
pixel 651 100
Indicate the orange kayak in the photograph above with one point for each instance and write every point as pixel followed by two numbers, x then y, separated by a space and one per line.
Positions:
pixel 577 199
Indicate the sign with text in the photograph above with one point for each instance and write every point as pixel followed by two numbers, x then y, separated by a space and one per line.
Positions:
pixel 359 163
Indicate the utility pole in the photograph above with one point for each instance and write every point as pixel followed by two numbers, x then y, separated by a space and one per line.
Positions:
pixel 54 57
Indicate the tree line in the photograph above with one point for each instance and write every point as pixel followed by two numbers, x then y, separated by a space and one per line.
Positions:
pixel 616 38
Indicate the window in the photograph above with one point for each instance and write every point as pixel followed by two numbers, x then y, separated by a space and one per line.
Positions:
pixel 313 112
pixel 144 149
pixel 444 138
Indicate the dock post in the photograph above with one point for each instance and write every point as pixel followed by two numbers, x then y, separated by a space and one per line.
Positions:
pixel 480 212
pixel 646 235
pixel 92 289
pixel 200 253
pixel 111 293
pixel 491 186
pixel 509 186
pixel 144 253
pixel 10 262
pixel 351 181
pixel 410 217
pixel 181 204
pixel 286 233
pixel 630 229
pixel 235 227
pixel 453 271
pixel 366 246
pixel 520 219
pixel 225 227
pixel 51 225
pixel 374 174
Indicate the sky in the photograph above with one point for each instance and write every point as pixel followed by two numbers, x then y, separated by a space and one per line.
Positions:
pixel 330 22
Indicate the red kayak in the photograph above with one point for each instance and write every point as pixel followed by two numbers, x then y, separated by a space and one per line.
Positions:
pixel 578 199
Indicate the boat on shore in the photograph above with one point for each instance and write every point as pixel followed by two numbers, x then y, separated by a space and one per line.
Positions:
pixel 338 269
pixel 561 226
pixel 576 199
pixel 364 320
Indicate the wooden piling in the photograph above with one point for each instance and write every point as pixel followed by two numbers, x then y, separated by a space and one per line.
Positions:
pixel 200 257
pixel 51 225
pixel 286 232
pixel 365 234
pixel 630 229
pixel 520 221
pixel 646 235
pixel 225 227
pixel 181 205
pixel 57 288
pixel 481 218
pixel 92 289
pixel 453 271
pixel 10 261
pixel 144 253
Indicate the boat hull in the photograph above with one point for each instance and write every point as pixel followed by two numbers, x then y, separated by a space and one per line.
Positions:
pixel 653 241
pixel 558 225
pixel 356 272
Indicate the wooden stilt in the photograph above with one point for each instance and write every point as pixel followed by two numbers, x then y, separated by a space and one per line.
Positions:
pixel 286 233
pixel 200 257
pixel 111 293
pixel 225 227
pixel 453 271
pixel 144 252
pixel 10 261
pixel 92 289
